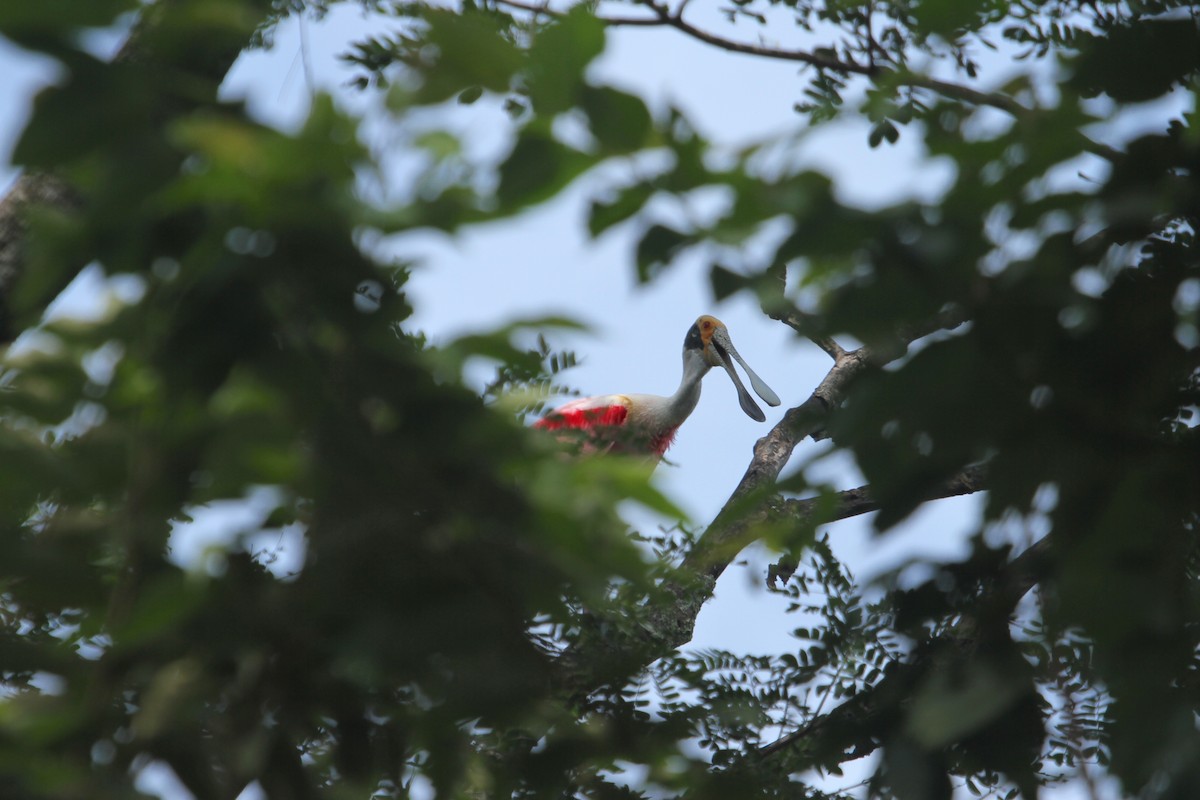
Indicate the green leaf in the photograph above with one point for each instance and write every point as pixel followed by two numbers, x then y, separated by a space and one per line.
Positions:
pixel 657 247
pixel 194 35
pixel 620 122
pixel 630 200
pixel 558 57
pixel 884 130
pixel 19 20
pixel 726 282
pixel 472 54
pixel 953 703
pixel 115 100
pixel 57 249
pixel 1137 62
pixel 945 17
pixel 536 170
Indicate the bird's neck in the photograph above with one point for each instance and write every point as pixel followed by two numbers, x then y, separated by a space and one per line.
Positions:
pixel 684 401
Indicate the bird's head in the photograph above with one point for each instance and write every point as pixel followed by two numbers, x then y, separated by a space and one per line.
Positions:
pixel 708 340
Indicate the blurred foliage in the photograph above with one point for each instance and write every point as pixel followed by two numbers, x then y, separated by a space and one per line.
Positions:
pixel 454 563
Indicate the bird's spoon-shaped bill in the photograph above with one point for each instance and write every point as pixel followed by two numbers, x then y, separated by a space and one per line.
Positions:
pixel 726 349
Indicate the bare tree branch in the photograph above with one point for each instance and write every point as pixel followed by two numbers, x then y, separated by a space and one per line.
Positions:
pixel 796 320
pixel 772 452
pixel 815 511
pixel 542 9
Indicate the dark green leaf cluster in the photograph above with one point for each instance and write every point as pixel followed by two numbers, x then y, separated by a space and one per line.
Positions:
pixel 732 708
pixel 258 348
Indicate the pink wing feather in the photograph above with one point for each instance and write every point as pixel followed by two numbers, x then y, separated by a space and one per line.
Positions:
pixel 603 422
pixel 589 412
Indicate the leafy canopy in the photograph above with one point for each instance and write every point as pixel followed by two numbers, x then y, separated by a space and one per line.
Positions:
pixel 471 615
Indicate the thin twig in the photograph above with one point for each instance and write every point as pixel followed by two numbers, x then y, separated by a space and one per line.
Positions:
pixel 541 8
pixel 821 60
pixel 1018 577
pixel 797 321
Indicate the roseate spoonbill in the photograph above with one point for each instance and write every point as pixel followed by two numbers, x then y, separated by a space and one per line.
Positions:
pixel 646 423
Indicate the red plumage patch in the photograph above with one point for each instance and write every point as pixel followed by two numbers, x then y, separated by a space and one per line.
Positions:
pixel 583 418
pixel 660 442
pixel 605 429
